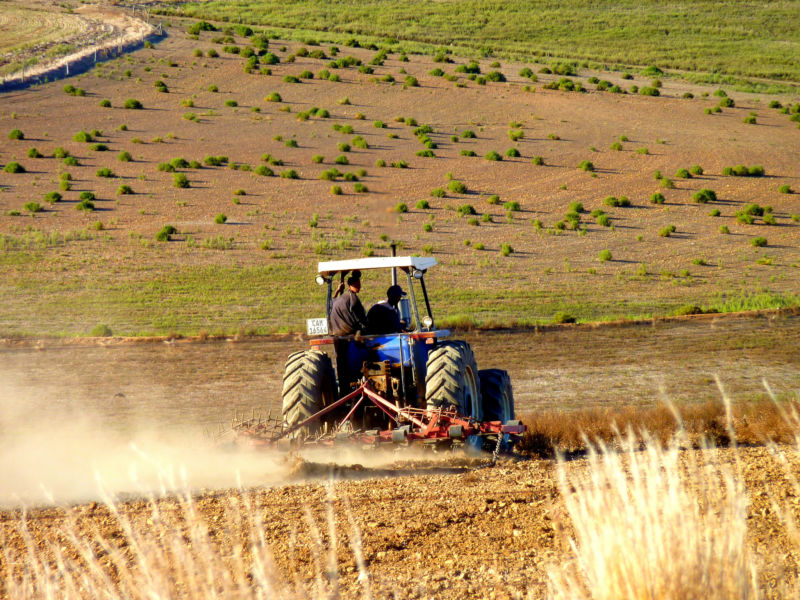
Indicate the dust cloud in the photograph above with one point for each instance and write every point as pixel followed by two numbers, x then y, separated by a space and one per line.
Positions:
pixel 54 452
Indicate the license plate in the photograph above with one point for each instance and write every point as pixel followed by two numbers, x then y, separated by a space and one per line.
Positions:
pixel 317 326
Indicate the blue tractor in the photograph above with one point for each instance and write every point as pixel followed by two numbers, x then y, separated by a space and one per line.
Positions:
pixel 416 385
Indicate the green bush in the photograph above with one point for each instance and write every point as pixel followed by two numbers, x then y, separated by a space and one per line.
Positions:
pixel 426 153
pixel 336 190
pixel 423 204
pixel 344 147
pixel 401 207
pixel 506 249
pixel 379 124
pixel 33 207
pixel 586 166
pixel 604 220
pixel 726 103
pixel 52 197
pixel 341 160
pixel 457 187
pixel 264 171
pixel 657 198
pixel 466 209
pixel 512 206
pixel 667 231
pixel 714 213
pixel 749 120
pixel 616 146
pixel 124 156
pixel 179 180
pixel 468 153
pixel 785 189
pixel 513 153
pixel 758 242
pixel 696 170
pixel 493 199
pixel 104 172
pixel 666 183
pixel 220 219
pixel 723 229
pixel 165 232
pixel 133 104
pixel 317 158
pixel 492 155
pixel 360 142
pixel 438 193
pixel 83 136
pixel 124 190
pixel 360 188
pixel 85 205
pixel 166 167
pixel 16 134
pixel 604 255
pixel 683 174
pixel 14 167
pixel 704 196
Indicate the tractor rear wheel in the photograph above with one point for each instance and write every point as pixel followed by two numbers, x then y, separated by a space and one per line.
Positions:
pixel 452 379
pixel 497 395
pixel 498 403
pixel 308 387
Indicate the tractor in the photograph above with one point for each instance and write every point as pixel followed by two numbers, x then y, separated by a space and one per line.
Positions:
pixel 411 386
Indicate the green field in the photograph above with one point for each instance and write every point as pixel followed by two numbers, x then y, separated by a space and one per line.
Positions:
pixel 716 38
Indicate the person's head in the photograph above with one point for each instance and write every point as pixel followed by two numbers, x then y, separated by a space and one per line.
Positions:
pixel 354 283
pixel 394 293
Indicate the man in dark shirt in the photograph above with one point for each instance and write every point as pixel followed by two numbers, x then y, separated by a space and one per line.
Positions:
pixel 347 314
pixel 383 317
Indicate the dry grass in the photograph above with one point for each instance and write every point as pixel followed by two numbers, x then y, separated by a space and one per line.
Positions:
pixel 575 431
pixel 655 524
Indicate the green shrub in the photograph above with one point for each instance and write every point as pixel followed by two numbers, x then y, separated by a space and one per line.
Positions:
pixel 410 81
pixel 423 204
pixel 344 147
pixel 586 166
pixel 273 97
pixel 667 231
pixel 666 183
pixel 360 142
pixel 341 160
pixel 704 196
pixel 52 197
pixel 604 220
pixel 220 219
pixel 165 232
pixel 317 158
pixel 466 209
pixel 360 188
pixel 785 189
pixel 215 161
pixel 82 136
pixel 124 156
pixel 264 171
pixel 506 249
pixel 426 153
pixel 124 190
pixel 85 205
pixel 133 104
pixel 33 207
pixel 290 174
pixel 749 120
pixel 604 255
pixel 714 213
pixel 379 124
pixel 723 229
pixel 179 180
pixel 401 207
pixel 16 134
pixel 104 172
pixel 336 190
pixel 492 155
pixel 758 242
pixel 616 146
pixel 60 152
pixel 14 167
pixel 512 153
pixel 511 205
pixel 769 219
pixel 683 174
pixel 457 187
pixel 166 167
pixel 726 103
pixel 438 193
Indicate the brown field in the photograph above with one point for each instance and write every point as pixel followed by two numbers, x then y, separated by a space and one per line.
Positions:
pixel 424 528
pixel 111 272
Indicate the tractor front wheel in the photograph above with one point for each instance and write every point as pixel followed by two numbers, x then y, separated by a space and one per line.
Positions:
pixel 308 387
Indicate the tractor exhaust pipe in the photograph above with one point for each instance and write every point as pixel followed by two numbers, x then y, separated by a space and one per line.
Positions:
pixel 394 270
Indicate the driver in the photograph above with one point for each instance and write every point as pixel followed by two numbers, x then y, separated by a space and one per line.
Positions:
pixel 383 317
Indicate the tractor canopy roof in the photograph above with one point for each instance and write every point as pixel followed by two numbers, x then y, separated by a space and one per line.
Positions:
pixel 422 263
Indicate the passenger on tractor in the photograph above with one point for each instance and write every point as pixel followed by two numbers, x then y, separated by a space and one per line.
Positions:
pixel 384 317
pixel 347 313
pixel 348 317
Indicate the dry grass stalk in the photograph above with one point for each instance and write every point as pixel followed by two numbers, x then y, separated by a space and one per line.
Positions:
pixel 649 525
